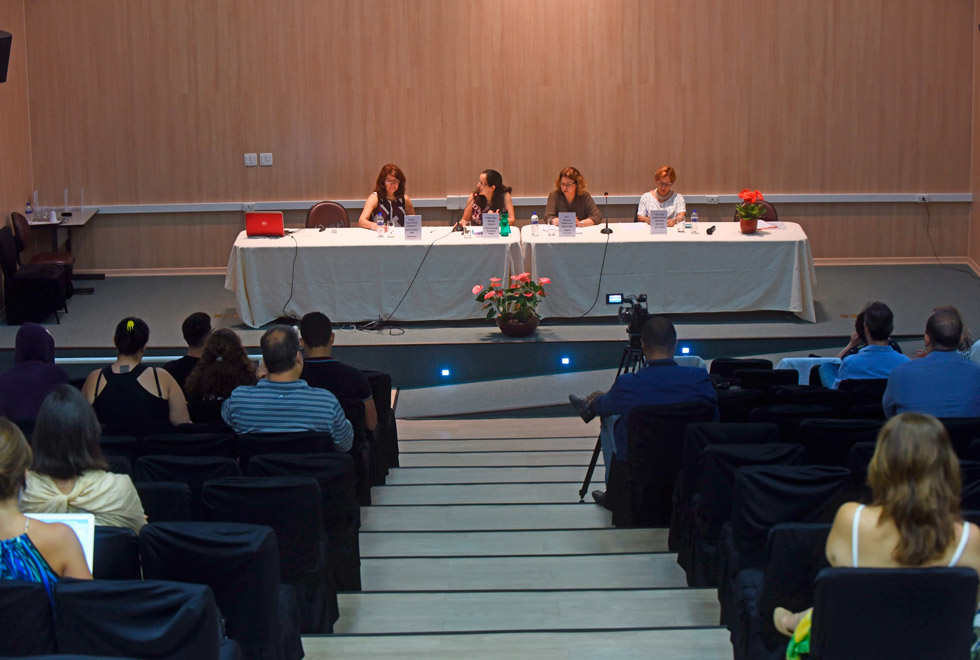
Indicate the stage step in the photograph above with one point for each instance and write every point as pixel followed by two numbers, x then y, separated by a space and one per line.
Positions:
pixel 516 493
pixel 497 458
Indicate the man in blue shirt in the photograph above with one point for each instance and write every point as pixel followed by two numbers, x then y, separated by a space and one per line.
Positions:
pixel 878 358
pixel 660 381
pixel 943 383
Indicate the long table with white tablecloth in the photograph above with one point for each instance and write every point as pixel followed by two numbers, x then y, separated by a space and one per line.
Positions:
pixel 681 272
pixel 352 275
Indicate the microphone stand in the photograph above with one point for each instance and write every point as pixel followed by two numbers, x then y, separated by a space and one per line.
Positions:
pixel 606 229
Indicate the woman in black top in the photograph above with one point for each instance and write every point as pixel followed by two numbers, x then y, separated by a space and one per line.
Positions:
pixel 128 392
pixel 388 199
pixel 490 196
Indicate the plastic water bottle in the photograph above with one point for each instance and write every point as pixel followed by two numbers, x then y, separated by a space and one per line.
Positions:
pixel 694 219
pixel 29 212
pixel 381 225
pixel 534 224
pixel 691 219
pixel 504 224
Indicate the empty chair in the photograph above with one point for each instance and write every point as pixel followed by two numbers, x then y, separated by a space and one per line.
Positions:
pixel 858 460
pixel 291 506
pixel 189 444
pixel 385 446
pixel 22 238
pixel 341 512
pixel 142 618
pixel 116 554
pixel 768 212
pixel 255 444
pixel 970 475
pixel 763 379
pixel 865 391
pixel 736 405
pixel 119 445
pixel 191 470
pixel 165 501
pixel 789 416
pixel 895 613
pixel 119 464
pixel 726 366
pixel 720 464
pixel 327 214
pixel 640 488
pixel 361 449
pixel 28 627
pixel 31 292
pixel 811 395
pixel 962 431
pixel 829 441
pixel 240 563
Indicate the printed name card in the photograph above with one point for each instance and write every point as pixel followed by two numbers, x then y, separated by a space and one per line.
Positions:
pixel 566 224
pixel 413 228
pixel 491 225
pixel 658 222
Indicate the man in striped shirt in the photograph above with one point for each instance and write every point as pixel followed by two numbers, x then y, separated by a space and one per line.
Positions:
pixel 281 402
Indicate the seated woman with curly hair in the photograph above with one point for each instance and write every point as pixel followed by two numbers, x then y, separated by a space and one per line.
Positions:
pixel 224 365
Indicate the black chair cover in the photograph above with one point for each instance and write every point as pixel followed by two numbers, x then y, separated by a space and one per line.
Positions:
pixel 142 618
pixel 138 430
pixel 735 405
pixel 962 431
pixel 292 507
pixel 720 464
pixel 119 445
pixel 640 489
pixel 256 444
pixel 26 623
pixel 341 513
pixel 898 613
pixel 119 465
pixel 858 460
pixel 829 441
pixel 361 450
pixel 795 553
pixel 726 366
pixel 789 416
pixel 205 412
pixel 970 476
pixel 116 554
pixel 763 379
pixel 869 391
pixel 164 501
pixel 838 400
pixel 385 434
pixel 189 444
pixel 191 470
pixel 240 563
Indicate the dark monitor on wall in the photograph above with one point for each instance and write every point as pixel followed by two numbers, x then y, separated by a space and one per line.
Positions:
pixel 5 39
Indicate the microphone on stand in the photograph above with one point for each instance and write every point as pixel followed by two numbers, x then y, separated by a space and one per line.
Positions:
pixel 606 229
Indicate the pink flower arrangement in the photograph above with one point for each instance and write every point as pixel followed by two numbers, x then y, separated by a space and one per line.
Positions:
pixel 519 300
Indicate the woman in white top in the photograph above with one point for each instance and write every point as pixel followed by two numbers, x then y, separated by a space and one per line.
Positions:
pixel 388 199
pixel 914 519
pixel 663 198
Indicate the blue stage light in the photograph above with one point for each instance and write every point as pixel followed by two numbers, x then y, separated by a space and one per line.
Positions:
pixel 685 350
pixel 445 372
pixel 566 361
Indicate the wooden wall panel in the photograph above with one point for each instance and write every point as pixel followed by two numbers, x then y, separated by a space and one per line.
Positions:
pixel 15 127
pixel 974 240
pixel 149 102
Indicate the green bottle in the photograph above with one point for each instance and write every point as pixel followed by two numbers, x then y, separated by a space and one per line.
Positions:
pixel 504 224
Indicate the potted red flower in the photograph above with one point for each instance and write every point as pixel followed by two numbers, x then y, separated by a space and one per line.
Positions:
pixel 749 210
pixel 515 306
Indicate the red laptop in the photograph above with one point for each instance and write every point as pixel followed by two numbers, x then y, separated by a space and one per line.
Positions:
pixel 264 223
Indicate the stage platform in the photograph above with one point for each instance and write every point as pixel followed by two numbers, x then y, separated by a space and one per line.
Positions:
pixel 475 353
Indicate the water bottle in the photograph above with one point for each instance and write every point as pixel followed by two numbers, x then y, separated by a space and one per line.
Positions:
pixel 504 224
pixel 694 219
pixel 381 225
pixel 29 212
pixel 534 224
pixel 691 219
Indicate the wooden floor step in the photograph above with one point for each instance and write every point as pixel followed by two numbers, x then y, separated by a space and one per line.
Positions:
pixel 492 475
pixel 563 572
pixel 484 517
pixel 470 611
pixel 516 544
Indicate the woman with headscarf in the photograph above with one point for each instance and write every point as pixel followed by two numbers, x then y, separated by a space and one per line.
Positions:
pixel 33 376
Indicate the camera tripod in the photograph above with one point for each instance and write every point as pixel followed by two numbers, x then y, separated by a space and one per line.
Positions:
pixel 631 361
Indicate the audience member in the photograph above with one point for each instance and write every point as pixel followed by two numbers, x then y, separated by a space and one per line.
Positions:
pixel 322 370
pixel 223 366
pixel 660 381
pixel 33 376
pixel 859 341
pixel 877 357
pixel 914 518
pixel 943 383
pixel 69 473
pixel 30 549
pixel 127 392
pixel 196 328
pixel 281 402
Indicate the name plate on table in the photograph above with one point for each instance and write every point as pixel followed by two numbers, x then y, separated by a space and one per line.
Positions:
pixel 491 225
pixel 658 222
pixel 413 228
pixel 566 224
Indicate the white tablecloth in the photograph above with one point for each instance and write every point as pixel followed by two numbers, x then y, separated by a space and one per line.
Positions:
pixel 680 272
pixel 352 275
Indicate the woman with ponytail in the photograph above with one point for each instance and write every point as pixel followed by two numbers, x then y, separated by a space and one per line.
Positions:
pixel 913 521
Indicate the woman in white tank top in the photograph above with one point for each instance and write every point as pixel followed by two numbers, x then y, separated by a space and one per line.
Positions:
pixel 913 521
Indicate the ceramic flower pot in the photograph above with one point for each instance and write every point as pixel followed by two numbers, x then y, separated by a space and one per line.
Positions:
pixel 512 327
pixel 748 225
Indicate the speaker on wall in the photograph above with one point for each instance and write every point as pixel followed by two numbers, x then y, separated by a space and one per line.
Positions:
pixel 5 39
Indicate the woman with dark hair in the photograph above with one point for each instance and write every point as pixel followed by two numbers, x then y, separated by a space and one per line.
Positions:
pixel 33 376
pixel 570 196
pixel 224 365
pixel 129 393
pixel 388 199
pixel 68 474
pixel 490 196
pixel 30 549
pixel 913 521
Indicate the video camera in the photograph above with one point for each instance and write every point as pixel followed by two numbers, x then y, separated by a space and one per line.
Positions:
pixel 632 311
